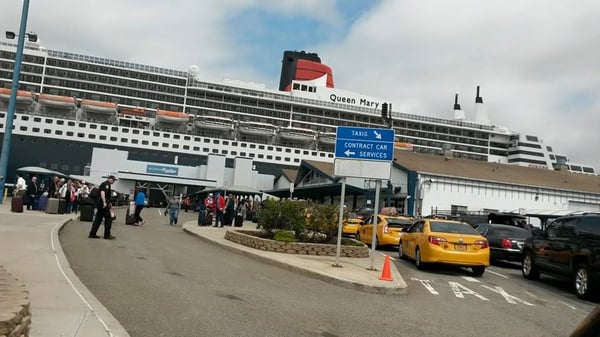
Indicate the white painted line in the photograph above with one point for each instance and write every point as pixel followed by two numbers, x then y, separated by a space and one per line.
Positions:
pixel 508 297
pixel 459 291
pixel 384 255
pixel 427 285
pixel 470 279
pixel 530 294
pixel 567 304
pixel 498 274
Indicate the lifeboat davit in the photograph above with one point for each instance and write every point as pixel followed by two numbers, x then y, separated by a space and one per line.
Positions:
pixel 299 135
pixel 257 129
pixel 140 112
pixel 98 107
pixel 213 123
pixel 23 96
pixel 172 117
pixel 327 138
pixel 61 102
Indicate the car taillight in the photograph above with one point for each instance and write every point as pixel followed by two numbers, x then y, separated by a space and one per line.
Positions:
pixel 385 229
pixel 506 243
pixel 436 240
pixel 482 243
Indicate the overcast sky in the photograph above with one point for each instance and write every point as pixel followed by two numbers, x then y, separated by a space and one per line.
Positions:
pixel 537 62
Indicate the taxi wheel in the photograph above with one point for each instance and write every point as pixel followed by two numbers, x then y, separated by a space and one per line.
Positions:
pixel 418 262
pixel 400 252
pixel 478 271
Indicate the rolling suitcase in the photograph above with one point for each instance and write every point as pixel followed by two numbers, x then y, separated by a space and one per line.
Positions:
pixel 16 205
pixel 129 218
pixel 43 202
pixel 62 206
pixel 239 221
pixel 52 206
pixel 208 219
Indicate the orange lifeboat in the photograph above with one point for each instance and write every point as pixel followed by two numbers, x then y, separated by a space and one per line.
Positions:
pixel 88 105
pixel 133 111
pixel 172 116
pixel 23 96
pixel 403 146
pixel 63 102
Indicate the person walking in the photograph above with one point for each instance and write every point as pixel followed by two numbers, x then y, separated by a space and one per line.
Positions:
pixel 103 209
pixel 33 191
pixel 172 209
pixel 140 200
pixel 229 210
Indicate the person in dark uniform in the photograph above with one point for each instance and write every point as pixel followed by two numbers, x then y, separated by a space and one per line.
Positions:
pixel 33 192
pixel 103 207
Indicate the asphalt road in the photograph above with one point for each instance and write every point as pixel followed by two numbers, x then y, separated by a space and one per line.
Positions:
pixel 158 281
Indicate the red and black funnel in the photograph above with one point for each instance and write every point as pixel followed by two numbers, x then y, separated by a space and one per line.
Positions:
pixel 302 66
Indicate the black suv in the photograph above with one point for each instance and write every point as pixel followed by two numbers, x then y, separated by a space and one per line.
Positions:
pixel 568 247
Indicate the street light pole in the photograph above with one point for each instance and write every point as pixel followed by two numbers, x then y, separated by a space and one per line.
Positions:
pixel 12 102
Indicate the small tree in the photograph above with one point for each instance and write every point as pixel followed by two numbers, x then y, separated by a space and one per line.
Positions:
pixel 324 220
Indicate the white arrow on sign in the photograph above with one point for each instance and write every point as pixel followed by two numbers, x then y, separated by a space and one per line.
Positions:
pixel 349 153
pixel 377 135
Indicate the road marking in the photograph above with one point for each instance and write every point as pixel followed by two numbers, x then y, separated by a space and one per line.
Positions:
pixel 427 285
pixel 384 255
pixel 568 305
pixel 508 297
pixel 530 294
pixel 498 274
pixel 470 279
pixel 459 291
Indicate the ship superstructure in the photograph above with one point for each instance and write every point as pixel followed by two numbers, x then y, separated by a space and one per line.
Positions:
pixel 79 102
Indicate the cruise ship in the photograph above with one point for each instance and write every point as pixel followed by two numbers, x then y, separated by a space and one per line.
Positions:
pixel 68 104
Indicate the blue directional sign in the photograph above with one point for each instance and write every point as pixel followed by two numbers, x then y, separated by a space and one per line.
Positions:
pixel 364 143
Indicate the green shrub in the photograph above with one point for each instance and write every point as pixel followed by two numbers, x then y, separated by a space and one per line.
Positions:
pixel 286 215
pixel 323 220
pixel 285 236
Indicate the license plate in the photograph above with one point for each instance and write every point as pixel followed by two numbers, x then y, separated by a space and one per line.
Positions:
pixel 460 247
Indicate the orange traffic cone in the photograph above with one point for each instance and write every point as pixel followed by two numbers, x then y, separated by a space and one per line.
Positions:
pixel 386 273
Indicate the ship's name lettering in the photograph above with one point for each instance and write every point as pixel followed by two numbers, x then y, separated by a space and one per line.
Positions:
pixel 350 100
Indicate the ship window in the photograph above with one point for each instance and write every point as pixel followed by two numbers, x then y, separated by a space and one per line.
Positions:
pixel 166 135
pixel 278 149
pixel 146 133
pixel 270 148
pixel 330 155
pixel 251 154
pixel 71 123
pixel 135 132
pixel 195 148
pixel 206 140
pixel 124 140
pixel 23 128
pixel 145 142
pixel 216 151
pixel 175 146
pixel 287 158
pixel 47 131
pixel 165 144
pixel 224 152
pixel 176 137
pixel 260 156
pixel 49 121
pixel 102 137
pixel 242 154
pixel 296 151
pixel 205 149
pixel 288 150
pixel 186 147
pixel 24 118
pixel 261 147
pixel 531 138
pixel 244 145
pixel 59 122
pixel 252 146
pixel 234 153
pixel 321 154
pixel 269 157
pixel 234 144
pixel 196 139
pixel 103 127
pixel 187 138
pixel 154 143
pixel 113 139
pixel 36 129
pixel 82 125
pixel 278 158
pixel 58 132
pixel 225 142
pixel 92 136
pixel 314 153
pixel 305 152
pixel 80 135
pixel 134 141
pixel 296 160
pixel 125 130
pixel 93 126
pixel 216 141
pixel 156 134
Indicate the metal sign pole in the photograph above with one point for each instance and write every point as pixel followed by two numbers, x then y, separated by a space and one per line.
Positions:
pixel 374 227
pixel 340 224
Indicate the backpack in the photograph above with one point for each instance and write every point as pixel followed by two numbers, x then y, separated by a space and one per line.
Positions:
pixel 95 193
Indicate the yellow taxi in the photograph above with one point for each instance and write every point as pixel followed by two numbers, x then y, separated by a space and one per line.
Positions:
pixel 389 229
pixel 445 241
pixel 351 224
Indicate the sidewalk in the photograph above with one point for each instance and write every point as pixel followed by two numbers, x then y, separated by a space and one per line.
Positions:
pixel 353 274
pixel 60 304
